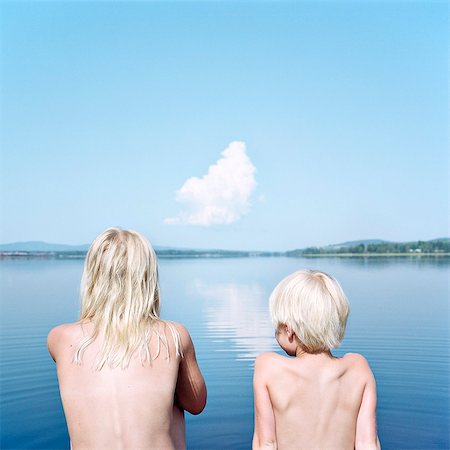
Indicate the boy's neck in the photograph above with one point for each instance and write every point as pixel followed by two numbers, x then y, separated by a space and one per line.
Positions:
pixel 301 353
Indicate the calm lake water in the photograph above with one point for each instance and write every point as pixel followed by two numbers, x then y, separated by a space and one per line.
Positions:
pixel 399 320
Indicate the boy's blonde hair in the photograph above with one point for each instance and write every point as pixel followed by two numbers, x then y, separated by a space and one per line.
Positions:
pixel 119 295
pixel 314 305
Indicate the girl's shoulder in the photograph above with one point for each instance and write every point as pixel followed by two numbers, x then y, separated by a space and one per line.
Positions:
pixel 63 335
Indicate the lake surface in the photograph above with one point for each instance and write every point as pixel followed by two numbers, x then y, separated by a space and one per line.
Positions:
pixel 399 320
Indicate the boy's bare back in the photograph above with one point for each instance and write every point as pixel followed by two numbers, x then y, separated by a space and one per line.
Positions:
pixel 314 401
pixel 127 408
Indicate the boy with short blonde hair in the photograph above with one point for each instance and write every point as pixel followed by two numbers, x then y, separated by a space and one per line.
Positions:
pixel 315 400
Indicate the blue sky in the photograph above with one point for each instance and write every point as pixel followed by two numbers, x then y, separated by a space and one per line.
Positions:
pixel 337 114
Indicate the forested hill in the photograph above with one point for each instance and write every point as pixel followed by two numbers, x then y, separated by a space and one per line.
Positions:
pixel 435 246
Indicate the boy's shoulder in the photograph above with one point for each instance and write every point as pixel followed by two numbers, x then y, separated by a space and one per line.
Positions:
pixel 268 363
pixel 267 358
pixel 358 364
pixel 355 358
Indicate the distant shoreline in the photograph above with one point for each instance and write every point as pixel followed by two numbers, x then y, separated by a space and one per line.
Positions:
pixel 219 255
pixel 363 248
pixel 370 255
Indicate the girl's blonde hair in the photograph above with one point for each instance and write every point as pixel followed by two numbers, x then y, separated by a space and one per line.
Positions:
pixel 314 305
pixel 120 296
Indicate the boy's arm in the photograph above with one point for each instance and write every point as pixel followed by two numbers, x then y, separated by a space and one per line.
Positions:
pixel 264 436
pixel 366 423
pixel 190 392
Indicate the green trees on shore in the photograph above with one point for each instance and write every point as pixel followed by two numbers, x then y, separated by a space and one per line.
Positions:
pixel 435 246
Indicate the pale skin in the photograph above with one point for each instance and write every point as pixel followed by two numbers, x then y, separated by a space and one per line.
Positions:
pixel 313 401
pixel 140 407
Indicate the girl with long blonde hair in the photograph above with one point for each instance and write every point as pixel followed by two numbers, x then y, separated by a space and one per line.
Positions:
pixel 125 375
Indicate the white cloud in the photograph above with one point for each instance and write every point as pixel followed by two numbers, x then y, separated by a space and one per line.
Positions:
pixel 222 196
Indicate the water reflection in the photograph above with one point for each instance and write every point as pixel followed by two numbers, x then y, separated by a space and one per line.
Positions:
pixel 237 314
pixel 374 262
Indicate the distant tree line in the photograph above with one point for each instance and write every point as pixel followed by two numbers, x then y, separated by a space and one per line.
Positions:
pixel 361 248
pixel 434 246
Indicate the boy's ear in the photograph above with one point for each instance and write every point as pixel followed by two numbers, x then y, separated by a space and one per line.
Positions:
pixel 290 333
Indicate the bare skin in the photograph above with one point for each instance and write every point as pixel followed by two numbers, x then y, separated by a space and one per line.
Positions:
pixel 313 401
pixel 140 407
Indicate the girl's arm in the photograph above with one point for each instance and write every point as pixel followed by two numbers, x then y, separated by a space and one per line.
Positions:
pixel 264 436
pixel 190 392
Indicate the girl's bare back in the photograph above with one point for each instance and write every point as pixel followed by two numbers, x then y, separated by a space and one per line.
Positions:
pixel 126 408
